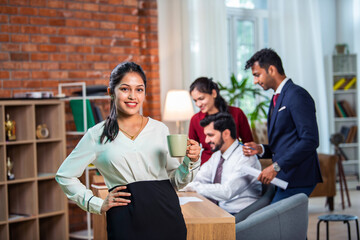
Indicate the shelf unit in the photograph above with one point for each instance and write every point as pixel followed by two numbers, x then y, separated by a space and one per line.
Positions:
pixel 88 232
pixel 33 204
pixel 344 67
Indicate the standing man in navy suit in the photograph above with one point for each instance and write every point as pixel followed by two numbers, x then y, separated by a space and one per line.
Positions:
pixel 292 129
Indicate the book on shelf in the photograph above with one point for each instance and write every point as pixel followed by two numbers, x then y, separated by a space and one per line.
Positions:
pixel 345 132
pixel 350 83
pixel 355 139
pixel 349 133
pixel 344 84
pixel 349 111
pixel 76 106
pixel 339 110
pixel 15 216
pixel 338 84
pixel 352 134
pixel 97 113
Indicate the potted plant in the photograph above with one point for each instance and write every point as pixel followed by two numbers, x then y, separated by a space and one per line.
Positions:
pixel 342 48
pixel 238 91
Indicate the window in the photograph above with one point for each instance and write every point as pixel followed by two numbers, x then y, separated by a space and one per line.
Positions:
pixel 247 33
pixel 247 4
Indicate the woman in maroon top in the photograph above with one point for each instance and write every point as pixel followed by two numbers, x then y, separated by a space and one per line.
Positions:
pixel 206 95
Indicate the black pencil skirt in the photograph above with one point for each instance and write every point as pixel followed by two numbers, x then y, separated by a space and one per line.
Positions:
pixel 154 213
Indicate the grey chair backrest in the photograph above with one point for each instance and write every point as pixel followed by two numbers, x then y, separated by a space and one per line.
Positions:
pixel 286 219
pixel 268 191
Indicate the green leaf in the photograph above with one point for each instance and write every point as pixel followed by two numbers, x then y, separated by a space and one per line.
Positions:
pixel 238 91
pixel 234 82
pixel 243 83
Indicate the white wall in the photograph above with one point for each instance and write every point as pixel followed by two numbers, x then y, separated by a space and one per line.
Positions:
pixel 328 25
pixel 171 68
pixel 344 23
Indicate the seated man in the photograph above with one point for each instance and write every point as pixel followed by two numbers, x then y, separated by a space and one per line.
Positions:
pixel 221 178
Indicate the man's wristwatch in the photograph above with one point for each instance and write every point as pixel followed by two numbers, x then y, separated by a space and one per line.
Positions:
pixel 277 168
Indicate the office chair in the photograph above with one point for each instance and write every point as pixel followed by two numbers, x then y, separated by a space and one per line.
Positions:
pixel 268 192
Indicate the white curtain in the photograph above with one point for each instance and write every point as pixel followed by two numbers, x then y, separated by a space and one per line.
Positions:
pixel 295 34
pixel 192 42
pixel 204 39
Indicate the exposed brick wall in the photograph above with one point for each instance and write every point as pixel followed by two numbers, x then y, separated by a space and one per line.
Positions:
pixel 44 43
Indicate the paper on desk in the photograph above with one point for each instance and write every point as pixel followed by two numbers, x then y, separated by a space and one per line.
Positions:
pixel 184 200
pixel 255 172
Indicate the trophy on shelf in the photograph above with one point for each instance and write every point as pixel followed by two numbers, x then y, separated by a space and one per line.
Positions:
pixel 9 167
pixel 42 131
pixel 10 128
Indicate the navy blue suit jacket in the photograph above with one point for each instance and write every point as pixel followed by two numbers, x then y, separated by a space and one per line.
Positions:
pixel 294 137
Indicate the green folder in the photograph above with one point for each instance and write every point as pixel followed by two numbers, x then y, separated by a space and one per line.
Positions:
pixel 78 114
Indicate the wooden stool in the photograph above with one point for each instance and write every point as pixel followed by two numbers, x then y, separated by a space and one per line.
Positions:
pixel 337 218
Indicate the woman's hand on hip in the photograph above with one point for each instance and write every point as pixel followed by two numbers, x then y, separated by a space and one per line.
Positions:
pixel 115 198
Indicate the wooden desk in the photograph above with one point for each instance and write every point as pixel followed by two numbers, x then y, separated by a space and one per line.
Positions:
pixel 204 220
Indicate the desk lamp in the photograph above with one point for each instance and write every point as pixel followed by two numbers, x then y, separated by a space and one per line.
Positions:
pixel 178 107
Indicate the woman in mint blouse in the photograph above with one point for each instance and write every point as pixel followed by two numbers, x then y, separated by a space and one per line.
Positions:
pixel 131 153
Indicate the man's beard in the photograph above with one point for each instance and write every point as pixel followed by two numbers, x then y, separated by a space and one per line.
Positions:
pixel 218 146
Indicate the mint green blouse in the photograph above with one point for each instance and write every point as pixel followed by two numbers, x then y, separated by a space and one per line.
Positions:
pixel 123 161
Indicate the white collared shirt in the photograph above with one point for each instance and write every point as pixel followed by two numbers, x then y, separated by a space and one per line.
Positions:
pixel 280 87
pixel 237 190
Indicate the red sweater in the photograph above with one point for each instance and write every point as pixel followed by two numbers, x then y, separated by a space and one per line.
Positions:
pixel 196 132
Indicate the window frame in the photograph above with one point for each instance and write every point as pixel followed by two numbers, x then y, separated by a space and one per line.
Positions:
pixel 256 16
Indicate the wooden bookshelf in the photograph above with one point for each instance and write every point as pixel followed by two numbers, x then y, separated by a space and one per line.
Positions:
pixel 345 98
pixel 33 205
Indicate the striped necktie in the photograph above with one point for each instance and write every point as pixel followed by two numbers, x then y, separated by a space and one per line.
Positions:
pixel 217 178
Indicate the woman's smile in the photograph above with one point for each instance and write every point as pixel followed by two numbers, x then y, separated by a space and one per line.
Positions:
pixel 131 104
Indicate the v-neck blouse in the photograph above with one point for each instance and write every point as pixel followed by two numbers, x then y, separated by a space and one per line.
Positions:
pixel 122 161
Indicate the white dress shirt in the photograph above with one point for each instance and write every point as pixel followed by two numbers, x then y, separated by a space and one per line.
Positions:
pixel 122 161
pixel 281 85
pixel 237 190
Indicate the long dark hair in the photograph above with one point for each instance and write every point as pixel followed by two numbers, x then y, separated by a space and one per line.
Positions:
pixel 206 85
pixel 111 127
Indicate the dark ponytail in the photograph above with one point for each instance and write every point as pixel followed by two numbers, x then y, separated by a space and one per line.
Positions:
pixel 111 127
pixel 206 85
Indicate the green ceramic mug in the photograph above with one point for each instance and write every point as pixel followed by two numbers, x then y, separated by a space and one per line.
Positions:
pixel 177 144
